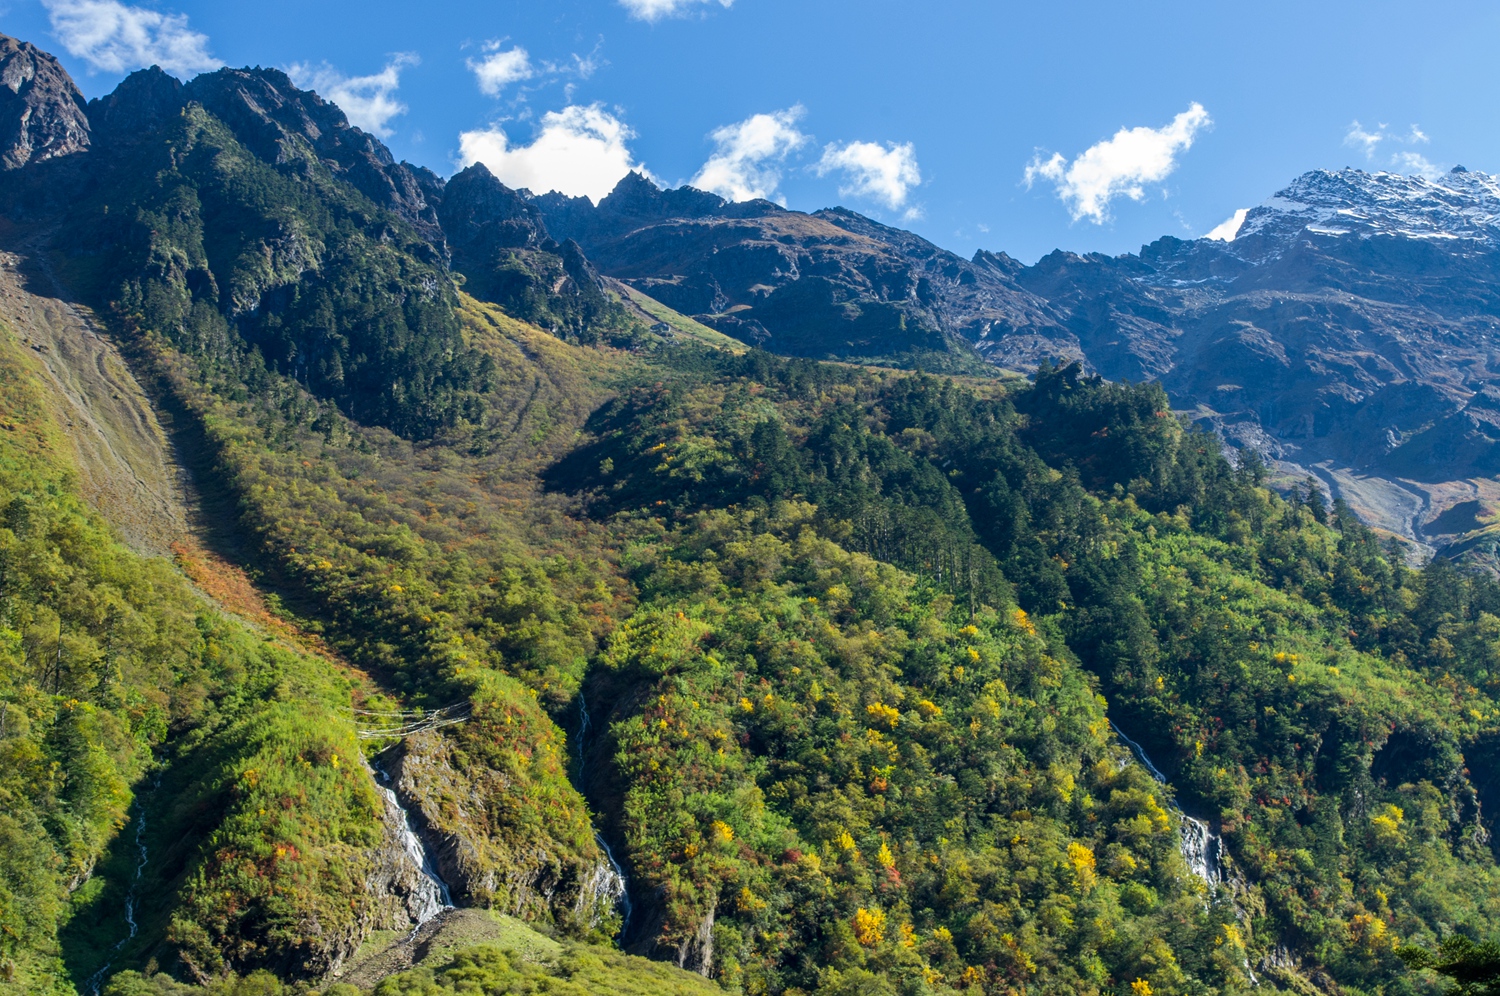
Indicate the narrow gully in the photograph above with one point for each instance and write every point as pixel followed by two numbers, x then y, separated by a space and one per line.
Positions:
pixel 1201 848
pixel 622 885
pixel 95 981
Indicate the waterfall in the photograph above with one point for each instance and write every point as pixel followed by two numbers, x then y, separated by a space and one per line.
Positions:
pixel 612 882
pixel 96 980
pixel 1201 848
pixel 430 896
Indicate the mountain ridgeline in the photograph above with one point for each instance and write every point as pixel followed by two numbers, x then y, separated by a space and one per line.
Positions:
pixel 549 615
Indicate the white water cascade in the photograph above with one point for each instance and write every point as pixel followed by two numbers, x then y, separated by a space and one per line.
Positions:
pixel 430 896
pixel 96 980
pixel 1201 848
pixel 612 881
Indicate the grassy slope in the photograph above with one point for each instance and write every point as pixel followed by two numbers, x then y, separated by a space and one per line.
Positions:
pixel 125 694
pixel 689 328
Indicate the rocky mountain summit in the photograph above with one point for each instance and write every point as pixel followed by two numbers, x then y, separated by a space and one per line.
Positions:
pixel 1460 205
pixel 41 111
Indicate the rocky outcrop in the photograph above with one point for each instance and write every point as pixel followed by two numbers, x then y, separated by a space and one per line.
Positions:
pixel 482 216
pixel 41 111
pixel 143 102
pixel 405 897
pixel 536 877
pixel 500 243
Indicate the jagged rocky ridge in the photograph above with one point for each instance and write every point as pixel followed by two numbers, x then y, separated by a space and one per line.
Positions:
pixel 828 284
pixel 41 111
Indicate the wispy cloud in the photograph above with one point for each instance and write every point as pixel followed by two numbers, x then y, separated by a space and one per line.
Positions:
pixel 1406 161
pixel 1417 164
pixel 1369 142
pixel 580 151
pixel 655 10
pixel 747 158
pixel 1119 166
pixel 500 67
pixel 882 173
pixel 368 101
pixel 115 38
pixel 1226 230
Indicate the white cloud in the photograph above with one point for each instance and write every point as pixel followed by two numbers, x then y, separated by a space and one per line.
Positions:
pixel 883 173
pixel 499 69
pixel 1121 165
pixel 114 38
pixel 655 10
pixel 368 101
pixel 580 151
pixel 1416 164
pixel 1227 229
pixel 1406 161
pixel 1366 141
pixel 748 155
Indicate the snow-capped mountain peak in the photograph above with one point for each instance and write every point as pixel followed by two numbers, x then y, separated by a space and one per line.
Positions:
pixel 1459 205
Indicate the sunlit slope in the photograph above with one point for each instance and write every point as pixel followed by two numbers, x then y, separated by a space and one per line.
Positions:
pixel 151 747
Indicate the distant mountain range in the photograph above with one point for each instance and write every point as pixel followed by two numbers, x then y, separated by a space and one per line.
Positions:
pixel 1349 329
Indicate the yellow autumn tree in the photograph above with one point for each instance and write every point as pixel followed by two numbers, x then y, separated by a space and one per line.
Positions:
pixel 1082 860
pixel 869 926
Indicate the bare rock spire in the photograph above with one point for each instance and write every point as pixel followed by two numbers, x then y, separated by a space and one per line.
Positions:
pixel 41 110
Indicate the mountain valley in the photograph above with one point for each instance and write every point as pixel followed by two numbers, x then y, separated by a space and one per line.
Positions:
pixel 414 585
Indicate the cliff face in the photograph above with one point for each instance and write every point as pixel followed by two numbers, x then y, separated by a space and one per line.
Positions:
pixel 829 284
pixel 41 111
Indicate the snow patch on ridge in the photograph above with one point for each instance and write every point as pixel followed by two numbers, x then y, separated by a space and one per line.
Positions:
pixel 1457 205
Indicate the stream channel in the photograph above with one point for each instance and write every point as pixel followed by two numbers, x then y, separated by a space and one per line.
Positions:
pixel 1202 849
pixel 430 896
pixel 95 981
pixel 620 887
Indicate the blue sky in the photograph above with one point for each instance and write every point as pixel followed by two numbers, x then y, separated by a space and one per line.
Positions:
pixel 926 115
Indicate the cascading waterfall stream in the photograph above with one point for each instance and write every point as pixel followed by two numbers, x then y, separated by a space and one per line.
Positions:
pixel 431 895
pixel 96 980
pixel 1201 848
pixel 621 887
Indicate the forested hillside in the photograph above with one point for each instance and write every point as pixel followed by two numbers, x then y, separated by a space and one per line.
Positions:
pixel 591 658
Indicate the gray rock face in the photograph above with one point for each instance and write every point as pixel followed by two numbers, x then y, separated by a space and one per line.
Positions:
pixel 482 216
pixel 143 102
pixel 833 283
pixel 520 878
pixel 41 111
pixel 1354 319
